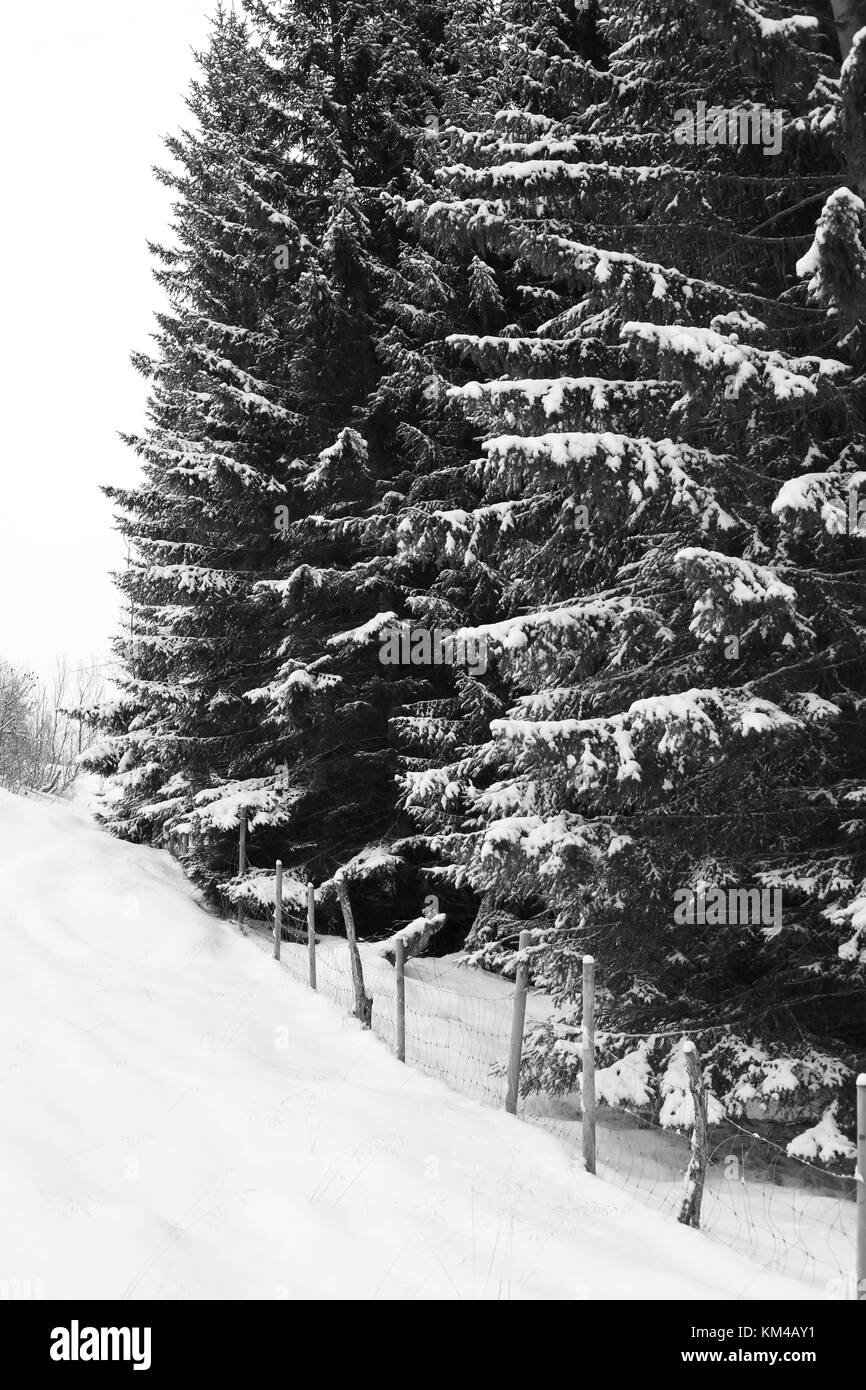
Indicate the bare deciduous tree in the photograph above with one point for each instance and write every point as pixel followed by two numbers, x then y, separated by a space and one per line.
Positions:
pixel 44 728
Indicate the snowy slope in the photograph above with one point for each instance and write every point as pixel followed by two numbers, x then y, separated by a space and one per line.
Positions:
pixel 458 1029
pixel 181 1119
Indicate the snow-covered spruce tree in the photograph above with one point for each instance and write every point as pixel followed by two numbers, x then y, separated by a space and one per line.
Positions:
pixel 671 456
pixel 375 308
pixel 200 524
pixel 287 395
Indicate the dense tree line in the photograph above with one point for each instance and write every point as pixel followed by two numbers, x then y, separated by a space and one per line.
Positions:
pixel 541 325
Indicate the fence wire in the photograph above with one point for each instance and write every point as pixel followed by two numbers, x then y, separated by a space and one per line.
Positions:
pixel 782 1213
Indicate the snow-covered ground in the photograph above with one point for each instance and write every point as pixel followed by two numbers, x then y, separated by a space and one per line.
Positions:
pixel 183 1119
pixel 458 1028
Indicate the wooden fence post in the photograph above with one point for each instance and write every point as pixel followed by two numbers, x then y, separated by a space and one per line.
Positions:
pixel 242 857
pixel 518 1017
pixel 690 1210
pixel 400 975
pixel 278 911
pixel 311 932
pixel 588 1064
pixel 363 1002
pixel 861 1188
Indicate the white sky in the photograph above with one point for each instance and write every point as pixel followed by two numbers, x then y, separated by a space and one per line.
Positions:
pixel 86 94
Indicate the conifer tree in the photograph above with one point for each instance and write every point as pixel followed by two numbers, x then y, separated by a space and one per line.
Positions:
pixel 670 449
pixel 280 415
pixel 539 324
pixel 200 525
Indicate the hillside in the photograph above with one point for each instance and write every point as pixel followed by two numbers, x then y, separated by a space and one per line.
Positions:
pixel 184 1120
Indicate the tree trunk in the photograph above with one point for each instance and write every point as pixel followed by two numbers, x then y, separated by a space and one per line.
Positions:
pixel 690 1209
pixel 854 115
pixel 363 1002
pixel 848 17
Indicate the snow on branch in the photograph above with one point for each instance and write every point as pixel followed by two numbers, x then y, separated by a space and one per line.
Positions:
pixel 828 499
pixel 258 887
pixel 835 264
pixel 416 937
pixel 639 468
pixel 674 732
pixel 370 864
pixel 220 807
pixel 743 367
pixel 729 592
pixel 824 1142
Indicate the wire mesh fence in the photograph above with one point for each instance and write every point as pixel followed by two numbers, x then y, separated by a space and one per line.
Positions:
pixel 778 1211
pixel 781 1212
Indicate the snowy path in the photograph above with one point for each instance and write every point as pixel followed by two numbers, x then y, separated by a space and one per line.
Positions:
pixel 181 1119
